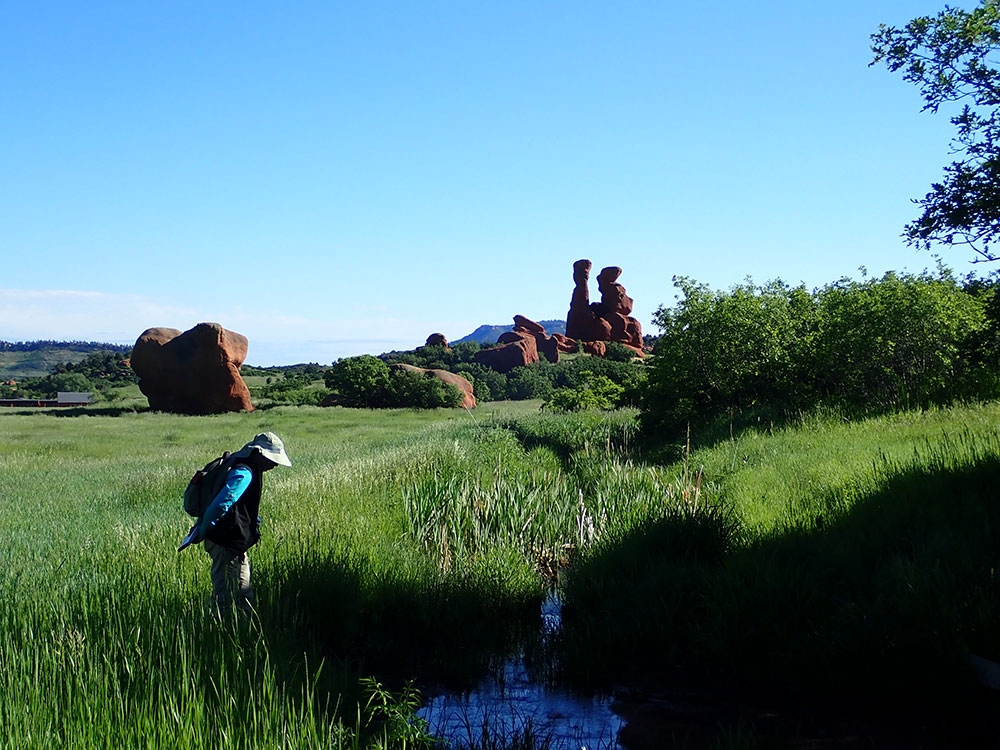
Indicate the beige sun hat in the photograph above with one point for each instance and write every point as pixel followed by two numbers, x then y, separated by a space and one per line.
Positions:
pixel 270 447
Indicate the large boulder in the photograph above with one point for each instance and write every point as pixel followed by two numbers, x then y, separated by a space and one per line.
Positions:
pixel 451 378
pixel 513 351
pixel 194 372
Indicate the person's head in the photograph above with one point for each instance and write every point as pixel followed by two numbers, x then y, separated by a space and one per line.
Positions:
pixel 266 450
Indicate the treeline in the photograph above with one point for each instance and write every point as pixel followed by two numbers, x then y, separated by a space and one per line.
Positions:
pixel 371 382
pixel 535 381
pixel 72 346
pixel 773 351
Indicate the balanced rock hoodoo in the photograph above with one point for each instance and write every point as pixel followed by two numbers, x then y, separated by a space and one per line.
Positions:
pixel 194 372
pixel 608 320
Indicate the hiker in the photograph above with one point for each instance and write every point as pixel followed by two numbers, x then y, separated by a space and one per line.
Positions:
pixel 230 524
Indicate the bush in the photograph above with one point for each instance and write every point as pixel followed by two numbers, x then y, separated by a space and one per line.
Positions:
pixel 598 392
pixel 616 352
pixel 722 351
pixel 858 347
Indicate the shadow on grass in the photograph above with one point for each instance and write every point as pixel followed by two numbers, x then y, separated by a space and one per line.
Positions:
pixel 84 411
pixel 873 612
pixel 400 629
pixel 568 435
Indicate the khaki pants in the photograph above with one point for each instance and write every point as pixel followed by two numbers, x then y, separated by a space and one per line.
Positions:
pixel 230 578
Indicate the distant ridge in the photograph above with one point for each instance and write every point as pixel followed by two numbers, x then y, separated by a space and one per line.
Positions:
pixel 487 334
pixel 36 359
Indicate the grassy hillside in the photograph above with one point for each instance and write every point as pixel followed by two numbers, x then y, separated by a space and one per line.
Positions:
pixel 36 359
pixel 15 365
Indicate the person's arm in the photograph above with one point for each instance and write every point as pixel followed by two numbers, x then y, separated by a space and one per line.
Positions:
pixel 237 481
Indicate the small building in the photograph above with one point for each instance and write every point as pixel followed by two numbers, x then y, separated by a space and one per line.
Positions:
pixel 72 398
pixel 63 398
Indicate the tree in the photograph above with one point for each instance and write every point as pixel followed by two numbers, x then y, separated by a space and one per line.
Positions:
pixel 363 380
pixel 949 57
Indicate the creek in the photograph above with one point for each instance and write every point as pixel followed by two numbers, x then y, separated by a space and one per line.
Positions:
pixel 511 701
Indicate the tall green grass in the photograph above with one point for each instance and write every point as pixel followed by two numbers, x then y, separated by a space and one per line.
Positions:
pixel 830 558
pixel 106 635
pixel 851 562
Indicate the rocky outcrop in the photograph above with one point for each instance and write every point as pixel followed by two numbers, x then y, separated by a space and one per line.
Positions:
pixel 451 378
pixel 608 320
pixel 522 346
pixel 194 372
pixel 437 339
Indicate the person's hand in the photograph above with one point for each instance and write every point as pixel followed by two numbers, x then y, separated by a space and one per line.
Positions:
pixel 193 536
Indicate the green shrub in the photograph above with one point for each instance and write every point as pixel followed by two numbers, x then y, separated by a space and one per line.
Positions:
pixel 617 352
pixel 597 392
pixel 858 347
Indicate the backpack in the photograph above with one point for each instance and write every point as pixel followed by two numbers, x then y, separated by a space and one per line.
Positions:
pixel 205 485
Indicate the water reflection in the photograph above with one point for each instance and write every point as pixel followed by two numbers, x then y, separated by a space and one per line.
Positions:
pixel 509 703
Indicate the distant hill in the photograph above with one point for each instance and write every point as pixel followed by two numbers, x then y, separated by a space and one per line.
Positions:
pixel 36 359
pixel 487 334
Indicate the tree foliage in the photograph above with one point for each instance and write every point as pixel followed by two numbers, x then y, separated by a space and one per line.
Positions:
pixel 99 372
pixel 534 381
pixel 595 392
pixel 950 58
pixel 867 346
pixel 369 382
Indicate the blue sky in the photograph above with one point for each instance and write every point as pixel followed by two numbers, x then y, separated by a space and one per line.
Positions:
pixel 333 178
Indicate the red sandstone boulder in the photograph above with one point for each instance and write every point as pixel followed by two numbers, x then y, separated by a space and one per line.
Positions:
pixel 451 378
pixel 437 339
pixel 518 352
pixel 548 347
pixel 565 343
pixel 522 323
pixel 195 372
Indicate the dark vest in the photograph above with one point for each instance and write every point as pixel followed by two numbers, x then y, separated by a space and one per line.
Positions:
pixel 239 529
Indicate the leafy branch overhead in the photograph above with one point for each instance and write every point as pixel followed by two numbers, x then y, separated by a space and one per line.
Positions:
pixel 952 58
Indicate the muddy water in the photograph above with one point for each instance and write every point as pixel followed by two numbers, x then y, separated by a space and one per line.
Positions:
pixel 510 702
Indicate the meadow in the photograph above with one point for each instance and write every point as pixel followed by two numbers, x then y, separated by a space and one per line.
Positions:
pixel 847 563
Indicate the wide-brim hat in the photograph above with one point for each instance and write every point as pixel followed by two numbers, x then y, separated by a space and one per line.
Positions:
pixel 270 447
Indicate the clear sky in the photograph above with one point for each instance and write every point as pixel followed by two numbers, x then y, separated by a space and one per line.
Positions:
pixel 338 178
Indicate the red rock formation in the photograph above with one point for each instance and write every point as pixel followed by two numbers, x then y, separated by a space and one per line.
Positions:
pixel 522 323
pixel 451 378
pixel 195 372
pixel 522 346
pixel 565 343
pixel 607 320
pixel 514 351
pixel 437 339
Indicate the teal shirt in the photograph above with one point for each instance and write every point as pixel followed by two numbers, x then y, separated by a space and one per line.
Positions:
pixel 237 481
